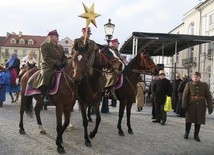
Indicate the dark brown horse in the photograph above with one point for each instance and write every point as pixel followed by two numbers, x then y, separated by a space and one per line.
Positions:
pixel 64 99
pixel 90 91
pixel 141 63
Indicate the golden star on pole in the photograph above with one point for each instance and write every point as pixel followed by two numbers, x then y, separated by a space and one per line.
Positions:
pixel 89 15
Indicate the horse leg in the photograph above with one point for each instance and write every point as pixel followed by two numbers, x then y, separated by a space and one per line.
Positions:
pixel 98 119
pixel 85 124
pixel 66 120
pixel 22 108
pixel 89 114
pixel 121 112
pixel 38 109
pixel 60 148
pixel 128 113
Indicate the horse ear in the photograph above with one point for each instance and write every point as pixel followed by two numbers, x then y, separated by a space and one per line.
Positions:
pixel 144 51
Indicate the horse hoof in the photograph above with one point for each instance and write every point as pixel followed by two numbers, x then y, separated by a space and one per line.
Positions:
pixel 121 133
pixel 61 150
pixel 43 132
pixel 130 132
pixel 22 132
pixel 88 144
pixel 91 135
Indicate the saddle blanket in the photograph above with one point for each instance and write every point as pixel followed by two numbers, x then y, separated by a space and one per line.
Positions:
pixel 53 88
pixel 119 81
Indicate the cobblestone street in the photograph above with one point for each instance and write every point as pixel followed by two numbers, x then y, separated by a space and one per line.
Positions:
pixel 148 138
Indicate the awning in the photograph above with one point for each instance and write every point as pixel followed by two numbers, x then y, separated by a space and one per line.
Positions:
pixel 163 44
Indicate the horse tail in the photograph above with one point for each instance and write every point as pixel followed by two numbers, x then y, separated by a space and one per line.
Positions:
pixel 29 106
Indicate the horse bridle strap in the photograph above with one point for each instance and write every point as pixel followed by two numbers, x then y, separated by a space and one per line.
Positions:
pixel 135 92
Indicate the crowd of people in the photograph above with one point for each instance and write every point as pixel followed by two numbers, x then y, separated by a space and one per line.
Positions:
pixel 190 98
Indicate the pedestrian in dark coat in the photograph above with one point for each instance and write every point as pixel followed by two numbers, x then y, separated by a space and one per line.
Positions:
pixel 196 98
pixel 151 95
pixel 53 59
pixel 175 84
pixel 179 110
pixel 161 88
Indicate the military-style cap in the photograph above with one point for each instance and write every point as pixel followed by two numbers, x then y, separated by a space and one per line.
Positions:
pixel 89 30
pixel 161 72
pixel 197 73
pixel 115 41
pixel 177 75
pixel 53 32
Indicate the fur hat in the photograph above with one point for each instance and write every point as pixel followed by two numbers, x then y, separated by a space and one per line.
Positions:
pixel 177 75
pixel 53 32
pixel 197 73
pixel 89 30
pixel 161 72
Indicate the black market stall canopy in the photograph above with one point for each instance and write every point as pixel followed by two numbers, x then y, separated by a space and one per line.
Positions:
pixel 162 44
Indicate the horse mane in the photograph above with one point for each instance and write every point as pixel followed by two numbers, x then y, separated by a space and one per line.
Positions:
pixel 130 64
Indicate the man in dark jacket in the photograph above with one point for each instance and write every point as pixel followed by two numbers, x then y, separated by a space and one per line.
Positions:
pixel 179 110
pixel 151 95
pixel 161 88
pixel 53 59
pixel 196 98
pixel 175 84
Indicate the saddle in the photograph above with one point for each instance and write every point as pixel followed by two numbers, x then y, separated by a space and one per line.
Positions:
pixel 53 87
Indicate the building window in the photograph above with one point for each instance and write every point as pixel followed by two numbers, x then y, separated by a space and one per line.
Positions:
pixel 13 41
pixel 191 28
pixel 22 41
pixel 30 42
pixel 211 19
pixel 24 53
pixel 15 51
pixel 66 42
pixel 7 52
pixel 66 50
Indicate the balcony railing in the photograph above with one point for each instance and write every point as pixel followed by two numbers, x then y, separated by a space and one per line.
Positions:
pixel 189 62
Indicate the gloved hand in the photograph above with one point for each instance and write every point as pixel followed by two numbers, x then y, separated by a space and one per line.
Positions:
pixel 63 64
pixel 210 111
pixel 81 49
pixel 58 66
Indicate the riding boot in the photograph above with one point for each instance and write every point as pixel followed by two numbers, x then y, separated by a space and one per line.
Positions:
pixel 187 130
pixel 45 95
pixel 197 129
pixel 112 92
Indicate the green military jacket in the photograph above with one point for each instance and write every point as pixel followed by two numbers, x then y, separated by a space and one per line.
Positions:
pixel 51 54
pixel 196 98
pixel 90 46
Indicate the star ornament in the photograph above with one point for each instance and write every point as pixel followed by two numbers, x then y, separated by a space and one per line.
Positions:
pixel 89 15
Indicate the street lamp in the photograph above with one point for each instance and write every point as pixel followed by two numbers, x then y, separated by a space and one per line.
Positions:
pixel 109 30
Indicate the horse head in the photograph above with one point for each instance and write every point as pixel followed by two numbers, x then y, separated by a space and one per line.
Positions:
pixel 147 64
pixel 108 59
pixel 142 63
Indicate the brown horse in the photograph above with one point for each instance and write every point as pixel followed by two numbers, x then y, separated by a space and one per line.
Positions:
pixel 141 63
pixel 64 99
pixel 90 91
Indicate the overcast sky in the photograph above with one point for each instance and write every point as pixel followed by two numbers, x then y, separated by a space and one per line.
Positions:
pixel 38 17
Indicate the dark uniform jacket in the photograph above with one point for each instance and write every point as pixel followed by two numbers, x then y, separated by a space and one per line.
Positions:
pixel 51 54
pixel 161 89
pixel 89 47
pixel 196 97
